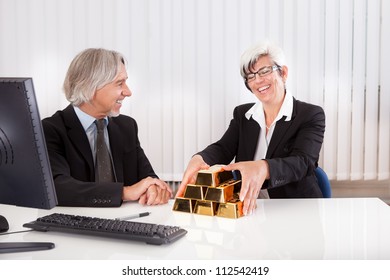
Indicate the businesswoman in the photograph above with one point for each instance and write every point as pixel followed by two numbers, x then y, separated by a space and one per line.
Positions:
pixel 275 142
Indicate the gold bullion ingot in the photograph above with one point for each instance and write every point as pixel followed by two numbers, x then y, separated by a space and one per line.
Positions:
pixel 205 207
pixel 231 209
pixel 224 192
pixel 195 192
pixel 184 205
pixel 213 176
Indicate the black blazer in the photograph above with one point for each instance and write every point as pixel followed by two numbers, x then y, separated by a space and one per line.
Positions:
pixel 292 154
pixel 72 163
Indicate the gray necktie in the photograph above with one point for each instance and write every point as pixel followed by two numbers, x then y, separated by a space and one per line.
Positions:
pixel 103 168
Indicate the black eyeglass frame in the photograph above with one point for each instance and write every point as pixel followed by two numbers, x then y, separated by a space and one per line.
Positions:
pixel 261 72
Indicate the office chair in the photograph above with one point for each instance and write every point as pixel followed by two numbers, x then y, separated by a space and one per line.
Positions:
pixel 323 182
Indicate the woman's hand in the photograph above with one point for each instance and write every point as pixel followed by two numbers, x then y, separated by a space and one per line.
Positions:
pixel 253 174
pixel 189 177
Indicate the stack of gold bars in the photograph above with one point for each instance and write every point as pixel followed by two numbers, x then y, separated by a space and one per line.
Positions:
pixel 215 193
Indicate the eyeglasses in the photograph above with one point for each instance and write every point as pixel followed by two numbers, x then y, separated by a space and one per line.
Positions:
pixel 262 72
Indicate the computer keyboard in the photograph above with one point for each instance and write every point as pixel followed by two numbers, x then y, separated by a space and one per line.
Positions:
pixel 145 232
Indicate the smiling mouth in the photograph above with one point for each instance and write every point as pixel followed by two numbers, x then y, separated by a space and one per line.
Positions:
pixel 119 102
pixel 263 89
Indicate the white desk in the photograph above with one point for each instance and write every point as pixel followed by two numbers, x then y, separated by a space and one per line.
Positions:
pixel 357 228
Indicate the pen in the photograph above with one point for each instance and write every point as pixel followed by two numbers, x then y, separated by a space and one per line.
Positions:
pixel 133 216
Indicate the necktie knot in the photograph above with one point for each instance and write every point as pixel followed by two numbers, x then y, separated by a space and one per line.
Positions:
pixel 100 124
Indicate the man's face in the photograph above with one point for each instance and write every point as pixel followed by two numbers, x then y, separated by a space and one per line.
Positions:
pixel 107 100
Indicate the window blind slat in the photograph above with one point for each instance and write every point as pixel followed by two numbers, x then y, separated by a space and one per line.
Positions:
pixel 331 87
pixel 344 91
pixel 358 89
pixel 167 88
pixel 218 40
pixel 154 77
pixel 203 74
pixel 371 98
pixel 178 74
pixel 384 102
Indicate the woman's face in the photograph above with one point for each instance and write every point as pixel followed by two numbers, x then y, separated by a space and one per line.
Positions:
pixel 269 88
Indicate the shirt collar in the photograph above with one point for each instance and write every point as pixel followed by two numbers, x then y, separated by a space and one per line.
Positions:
pixel 85 119
pixel 285 110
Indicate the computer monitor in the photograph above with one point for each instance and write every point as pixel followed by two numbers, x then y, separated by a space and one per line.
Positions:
pixel 25 173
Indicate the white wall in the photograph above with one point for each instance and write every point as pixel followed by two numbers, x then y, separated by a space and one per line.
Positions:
pixel 183 67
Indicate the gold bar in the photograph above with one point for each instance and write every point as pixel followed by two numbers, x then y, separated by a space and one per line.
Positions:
pixel 204 178
pixel 220 194
pixel 224 192
pixel 224 176
pixel 231 210
pixel 184 205
pixel 205 207
pixel 213 176
pixel 195 191
pixel 215 192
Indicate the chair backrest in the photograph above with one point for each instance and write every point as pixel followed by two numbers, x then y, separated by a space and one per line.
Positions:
pixel 323 182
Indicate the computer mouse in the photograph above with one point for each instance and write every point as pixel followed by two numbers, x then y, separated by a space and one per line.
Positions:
pixel 4 226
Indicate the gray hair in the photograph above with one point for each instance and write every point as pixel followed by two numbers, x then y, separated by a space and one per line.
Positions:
pixel 250 56
pixel 89 71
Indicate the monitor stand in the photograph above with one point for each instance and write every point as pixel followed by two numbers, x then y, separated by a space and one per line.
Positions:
pixel 13 247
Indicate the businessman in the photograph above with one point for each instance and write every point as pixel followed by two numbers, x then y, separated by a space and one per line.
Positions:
pixel 94 151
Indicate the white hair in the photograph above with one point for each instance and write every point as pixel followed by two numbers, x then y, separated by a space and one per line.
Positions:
pixel 252 55
pixel 89 71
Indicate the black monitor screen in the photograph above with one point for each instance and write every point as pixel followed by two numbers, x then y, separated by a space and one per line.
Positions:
pixel 25 174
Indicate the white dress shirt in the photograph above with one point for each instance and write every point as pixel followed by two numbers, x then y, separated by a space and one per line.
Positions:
pixel 257 113
pixel 88 123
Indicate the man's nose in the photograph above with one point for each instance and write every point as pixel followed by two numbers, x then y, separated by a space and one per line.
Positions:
pixel 126 91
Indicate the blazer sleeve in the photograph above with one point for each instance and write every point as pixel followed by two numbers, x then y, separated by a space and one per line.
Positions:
pixel 230 145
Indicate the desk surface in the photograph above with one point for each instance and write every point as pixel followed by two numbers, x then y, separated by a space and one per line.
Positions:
pixel 343 228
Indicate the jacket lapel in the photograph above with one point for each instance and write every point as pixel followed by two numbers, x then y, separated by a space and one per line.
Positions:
pixel 253 131
pixel 280 131
pixel 77 135
pixel 116 146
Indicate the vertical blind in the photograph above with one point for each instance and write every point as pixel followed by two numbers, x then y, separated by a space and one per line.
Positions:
pixel 183 67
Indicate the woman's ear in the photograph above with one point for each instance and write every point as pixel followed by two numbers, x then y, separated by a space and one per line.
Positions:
pixel 284 73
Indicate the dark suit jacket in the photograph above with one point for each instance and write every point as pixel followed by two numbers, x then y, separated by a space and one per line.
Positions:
pixel 72 161
pixel 292 154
